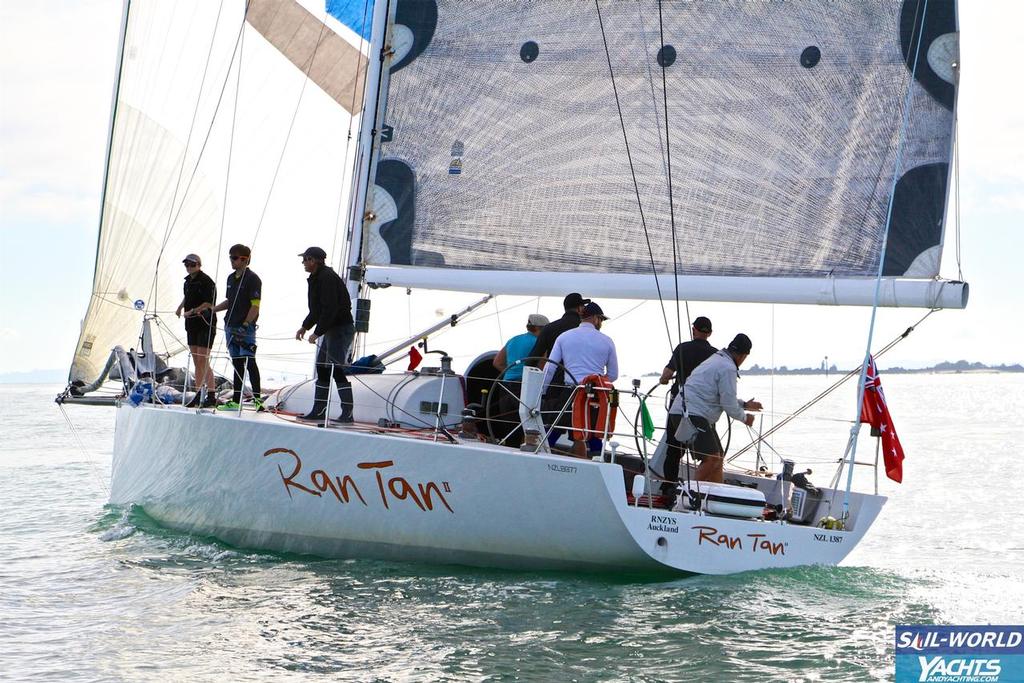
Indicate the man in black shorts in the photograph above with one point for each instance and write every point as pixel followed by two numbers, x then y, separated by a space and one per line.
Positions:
pixel 710 390
pixel 200 328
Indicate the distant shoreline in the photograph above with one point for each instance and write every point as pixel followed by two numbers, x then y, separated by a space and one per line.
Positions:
pixel 945 368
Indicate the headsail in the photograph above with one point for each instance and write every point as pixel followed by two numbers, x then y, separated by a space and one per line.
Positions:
pixel 218 137
pixel 784 120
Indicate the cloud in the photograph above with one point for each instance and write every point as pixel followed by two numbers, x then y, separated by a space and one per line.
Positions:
pixel 52 143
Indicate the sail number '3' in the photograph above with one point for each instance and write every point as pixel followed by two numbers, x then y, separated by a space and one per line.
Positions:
pixel 392 490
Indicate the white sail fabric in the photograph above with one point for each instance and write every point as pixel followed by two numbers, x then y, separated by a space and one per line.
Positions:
pixel 785 125
pixel 219 137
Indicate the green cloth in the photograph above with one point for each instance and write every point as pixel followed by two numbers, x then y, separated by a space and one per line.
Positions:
pixel 646 423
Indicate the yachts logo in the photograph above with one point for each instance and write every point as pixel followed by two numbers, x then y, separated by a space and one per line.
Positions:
pixel 959 669
pixel 959 654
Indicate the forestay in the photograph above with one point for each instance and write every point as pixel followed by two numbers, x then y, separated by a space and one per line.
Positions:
pixel 218 137
pixel 504 154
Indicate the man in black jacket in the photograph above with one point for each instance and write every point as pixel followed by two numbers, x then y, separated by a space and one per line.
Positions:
pixel 330 319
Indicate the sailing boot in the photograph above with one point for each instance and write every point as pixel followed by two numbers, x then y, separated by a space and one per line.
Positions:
pixel 316 415
pixel 345 394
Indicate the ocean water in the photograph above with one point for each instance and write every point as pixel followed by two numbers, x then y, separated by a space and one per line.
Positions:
pixel 94 592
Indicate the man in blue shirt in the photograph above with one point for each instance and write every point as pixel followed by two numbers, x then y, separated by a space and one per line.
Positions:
pixel 509 362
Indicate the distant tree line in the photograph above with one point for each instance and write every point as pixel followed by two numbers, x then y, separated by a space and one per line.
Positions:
pixel 945 366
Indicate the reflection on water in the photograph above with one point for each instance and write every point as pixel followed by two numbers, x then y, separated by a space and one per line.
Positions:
pixel 101 592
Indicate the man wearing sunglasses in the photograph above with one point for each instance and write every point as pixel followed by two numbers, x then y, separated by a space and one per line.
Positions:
pixel 242 304
pixel 200 328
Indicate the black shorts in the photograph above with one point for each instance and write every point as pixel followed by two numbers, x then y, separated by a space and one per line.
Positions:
pixel 200 334
pixel 707 442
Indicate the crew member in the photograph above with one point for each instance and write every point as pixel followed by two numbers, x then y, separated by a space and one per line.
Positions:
pixel 711 389
pixel 509 362
pixel 685 359
pixel 584 351
pixel 332 325
pixel 244 290
pixel 557 393
pixel 200 328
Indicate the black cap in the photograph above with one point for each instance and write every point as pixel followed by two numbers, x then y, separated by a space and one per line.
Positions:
pixel 314 252
pixel 574 300
pixel 740 344
pixel 593 309
pixel 702 324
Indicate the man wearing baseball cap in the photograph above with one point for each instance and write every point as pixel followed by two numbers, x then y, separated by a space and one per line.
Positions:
pixel 509 362
pixel 710 390
pixel 330 319
pixel 557 395
pixel 685 359
pixel 573 305
pixel 584 351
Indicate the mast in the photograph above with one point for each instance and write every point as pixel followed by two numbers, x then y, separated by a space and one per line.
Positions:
pixel 126 5
pixel 374 100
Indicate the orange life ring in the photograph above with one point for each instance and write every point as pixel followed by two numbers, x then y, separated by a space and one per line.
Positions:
pixel 592 409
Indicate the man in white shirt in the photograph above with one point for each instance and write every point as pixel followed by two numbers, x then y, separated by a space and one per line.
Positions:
pixel 583 351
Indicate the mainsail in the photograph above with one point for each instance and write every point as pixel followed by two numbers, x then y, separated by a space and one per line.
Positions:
pixel 791 128
pixel 227 127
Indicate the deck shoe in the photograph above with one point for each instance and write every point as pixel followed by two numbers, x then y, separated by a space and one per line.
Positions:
pixel 342 420
pixel 230 405
pixel 312 418
pixel 196 402
pixel 258 402
pixel 210 401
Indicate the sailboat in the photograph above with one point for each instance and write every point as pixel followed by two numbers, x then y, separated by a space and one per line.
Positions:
pixel 752 152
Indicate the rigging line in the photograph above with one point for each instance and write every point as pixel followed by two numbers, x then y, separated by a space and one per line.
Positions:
pixel 184 156
pixel 632 171
pixel 907 104
pixel 842 380
pixel 209 131
pixel 668 154
pixel 956 185
pixel 344 256
pixel 291 126
pixel 227 170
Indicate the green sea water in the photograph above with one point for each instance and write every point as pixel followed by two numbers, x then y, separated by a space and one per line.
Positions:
pixel 94 592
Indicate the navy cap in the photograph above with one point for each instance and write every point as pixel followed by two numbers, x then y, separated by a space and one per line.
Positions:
pixel 740 344
pixel 593 309
pixel 574 300
pixel 314 252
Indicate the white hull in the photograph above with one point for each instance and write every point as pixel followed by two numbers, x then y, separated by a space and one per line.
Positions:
pixel 260 481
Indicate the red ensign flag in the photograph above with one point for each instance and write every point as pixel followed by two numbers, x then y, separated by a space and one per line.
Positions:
pixel 875 412
pixel 414 358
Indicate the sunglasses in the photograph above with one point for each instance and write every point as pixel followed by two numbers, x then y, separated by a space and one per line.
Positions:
pixel 190 264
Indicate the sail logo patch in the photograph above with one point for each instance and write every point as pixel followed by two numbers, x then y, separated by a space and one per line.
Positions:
pixel 960 654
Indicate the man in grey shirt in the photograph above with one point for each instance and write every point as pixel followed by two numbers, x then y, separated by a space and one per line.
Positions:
pixel 710 390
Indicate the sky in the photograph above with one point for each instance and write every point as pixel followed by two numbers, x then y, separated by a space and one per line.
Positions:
pixel 57 63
